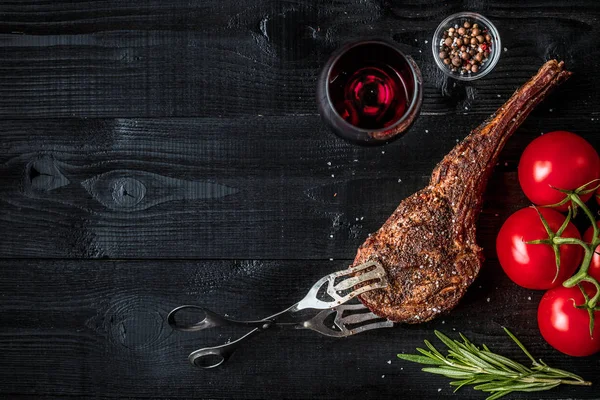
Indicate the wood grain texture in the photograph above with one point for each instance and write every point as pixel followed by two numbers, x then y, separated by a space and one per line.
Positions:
pixel 155 153
pixel 218 57
pixel 259 188
pixel 97 328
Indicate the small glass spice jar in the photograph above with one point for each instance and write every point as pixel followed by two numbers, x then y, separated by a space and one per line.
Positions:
pixel 466 46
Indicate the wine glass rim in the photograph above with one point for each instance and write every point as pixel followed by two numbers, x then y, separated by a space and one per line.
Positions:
pixel 415 75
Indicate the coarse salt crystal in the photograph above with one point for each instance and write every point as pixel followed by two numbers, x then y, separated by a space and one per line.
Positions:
pixel 328 162
pixel 333 175
pixel 488 299
pixel 529 298
pixel 383 376
pixel 505 49
pixel 389 361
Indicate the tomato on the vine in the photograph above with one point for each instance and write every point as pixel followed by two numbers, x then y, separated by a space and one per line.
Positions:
pixel 594 270
pixel 565 327
pixel 557 159
pixel 533 266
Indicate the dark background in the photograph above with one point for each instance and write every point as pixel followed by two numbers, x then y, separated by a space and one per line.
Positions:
pixel 162 152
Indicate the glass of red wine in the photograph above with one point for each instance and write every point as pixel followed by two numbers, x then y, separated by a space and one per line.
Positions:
pixel 369 92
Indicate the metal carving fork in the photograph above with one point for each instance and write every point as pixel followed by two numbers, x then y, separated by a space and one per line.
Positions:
pixel 328 293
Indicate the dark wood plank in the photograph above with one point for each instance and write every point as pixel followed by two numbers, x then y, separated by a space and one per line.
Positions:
pixel 219 57
pixel 70 328
pixel 259 188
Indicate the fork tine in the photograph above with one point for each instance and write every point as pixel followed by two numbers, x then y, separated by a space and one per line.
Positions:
pixel 317 323
pixel 312 300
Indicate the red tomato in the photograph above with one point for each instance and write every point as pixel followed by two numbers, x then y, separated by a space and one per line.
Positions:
pixel 565 327
pixel 533 266
pixel 594 270
pixel 560 159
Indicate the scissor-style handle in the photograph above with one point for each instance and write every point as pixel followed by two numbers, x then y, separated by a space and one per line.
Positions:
pixel 211 357
pixel 210 320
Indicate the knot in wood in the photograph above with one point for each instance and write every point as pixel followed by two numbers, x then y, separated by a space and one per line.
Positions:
pixel 128 192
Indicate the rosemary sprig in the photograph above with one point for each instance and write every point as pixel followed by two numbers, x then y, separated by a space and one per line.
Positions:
pixel 488 371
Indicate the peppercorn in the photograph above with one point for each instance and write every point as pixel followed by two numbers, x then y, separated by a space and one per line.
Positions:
pixel 465 49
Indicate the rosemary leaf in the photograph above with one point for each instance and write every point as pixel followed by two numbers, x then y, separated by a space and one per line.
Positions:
pixel 489 372
pixel 419 359
pixel 449 372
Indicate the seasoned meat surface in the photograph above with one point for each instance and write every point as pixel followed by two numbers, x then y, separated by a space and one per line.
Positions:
pixel 428 246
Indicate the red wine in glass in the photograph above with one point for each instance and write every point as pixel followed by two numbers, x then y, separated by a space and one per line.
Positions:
pixel 369 92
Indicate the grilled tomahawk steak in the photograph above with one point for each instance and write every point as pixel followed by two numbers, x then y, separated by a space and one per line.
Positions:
pixel 428 246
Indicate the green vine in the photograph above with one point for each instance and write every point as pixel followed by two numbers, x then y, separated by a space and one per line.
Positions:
pixel 556 240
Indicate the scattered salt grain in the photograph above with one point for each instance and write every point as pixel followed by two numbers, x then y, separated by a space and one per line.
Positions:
pixel 389 362
pixel 498 95
pixel 361 218
pixel 426 130
pixel 443 322
pixel 355 160
pixel 331 236
pixel 356 218
pixel 401 369
pixel 439 390
pixel 550 110
pixel 496 215
pixel 488 299
pixel 328 162
pixel 399 180
pixel 382 151
pixel 466 108
pixel 382 376
pixel 505 49
pixel 457 140
pixel 416 40
pixel 426 41
pixel 529 298
pixel 333 175
pixel 506 164
pixel 331 259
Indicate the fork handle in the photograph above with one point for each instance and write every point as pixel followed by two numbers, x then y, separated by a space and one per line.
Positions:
pixel 211 357
pixel 210 320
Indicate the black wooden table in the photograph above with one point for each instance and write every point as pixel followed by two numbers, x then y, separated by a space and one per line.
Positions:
pixel 155 153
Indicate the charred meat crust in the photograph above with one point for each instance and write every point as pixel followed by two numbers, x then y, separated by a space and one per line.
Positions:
pixel 427 246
